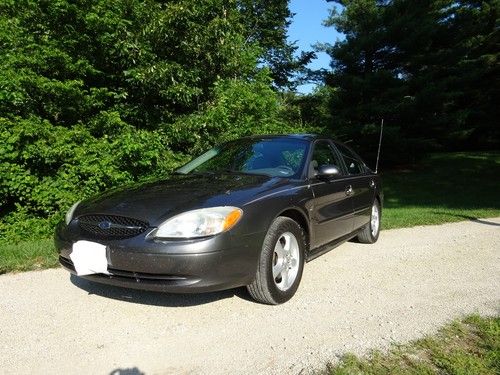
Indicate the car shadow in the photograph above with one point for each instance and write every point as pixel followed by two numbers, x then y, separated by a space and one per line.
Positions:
pixel 145 297
pixel 127 371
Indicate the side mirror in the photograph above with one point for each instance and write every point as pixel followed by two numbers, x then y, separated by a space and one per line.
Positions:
pixel 328 171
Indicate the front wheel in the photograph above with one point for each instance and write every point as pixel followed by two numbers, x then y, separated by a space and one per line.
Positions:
pixel 281 263
pixel 369 234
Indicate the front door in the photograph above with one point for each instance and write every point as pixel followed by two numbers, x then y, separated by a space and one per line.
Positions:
pixel 332 207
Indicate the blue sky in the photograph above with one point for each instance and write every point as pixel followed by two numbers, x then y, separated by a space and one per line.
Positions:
pixel 307 29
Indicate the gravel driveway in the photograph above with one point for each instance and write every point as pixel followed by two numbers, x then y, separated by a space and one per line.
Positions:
pixel 354 298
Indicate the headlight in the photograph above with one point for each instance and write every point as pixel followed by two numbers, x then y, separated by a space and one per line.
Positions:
pixel 200 223
pixel 71 211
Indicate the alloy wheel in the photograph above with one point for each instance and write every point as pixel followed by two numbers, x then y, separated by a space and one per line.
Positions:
pixel 285 261
pixel 375 220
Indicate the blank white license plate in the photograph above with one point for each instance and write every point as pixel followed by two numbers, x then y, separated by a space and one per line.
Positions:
pixel 89 258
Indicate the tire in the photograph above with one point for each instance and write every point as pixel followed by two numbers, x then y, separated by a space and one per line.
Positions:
pixel 280 269
pixel 370 233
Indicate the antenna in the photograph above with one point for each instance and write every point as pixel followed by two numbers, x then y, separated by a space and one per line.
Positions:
pixel 379 144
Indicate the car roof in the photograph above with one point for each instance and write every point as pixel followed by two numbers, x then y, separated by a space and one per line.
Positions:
pixel 305 136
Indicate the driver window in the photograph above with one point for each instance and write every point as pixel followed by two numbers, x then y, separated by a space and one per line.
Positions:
pixel 323 154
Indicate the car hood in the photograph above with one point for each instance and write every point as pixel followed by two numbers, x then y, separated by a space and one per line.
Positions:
pixel 155 201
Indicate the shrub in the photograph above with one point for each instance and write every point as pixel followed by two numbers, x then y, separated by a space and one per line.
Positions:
pixel 45 168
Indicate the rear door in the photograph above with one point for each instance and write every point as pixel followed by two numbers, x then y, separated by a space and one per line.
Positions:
pixel 361 183
pixel 332 214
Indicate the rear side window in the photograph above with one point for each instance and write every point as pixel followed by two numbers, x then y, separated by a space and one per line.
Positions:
pixel 353 164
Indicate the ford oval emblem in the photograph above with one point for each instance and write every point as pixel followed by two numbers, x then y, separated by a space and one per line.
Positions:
pixel 104 225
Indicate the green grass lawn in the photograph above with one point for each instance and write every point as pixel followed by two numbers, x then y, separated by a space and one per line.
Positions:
pixel 442 188
pixel 26 256
pixel 470 346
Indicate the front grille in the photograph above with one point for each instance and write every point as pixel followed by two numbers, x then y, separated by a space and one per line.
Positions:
pixel 111 226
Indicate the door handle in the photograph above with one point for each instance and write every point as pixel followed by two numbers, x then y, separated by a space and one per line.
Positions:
pixel 372 184
pixel 348 190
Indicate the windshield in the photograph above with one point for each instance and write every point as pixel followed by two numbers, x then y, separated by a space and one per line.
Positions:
pixel 276 157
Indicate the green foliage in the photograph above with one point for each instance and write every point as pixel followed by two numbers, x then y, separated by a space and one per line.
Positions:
pixel 95 94
pixel 238 109
pixel 147 60
pixel 45 167
pixel 430 69
pixel 266 23
pixel 314 109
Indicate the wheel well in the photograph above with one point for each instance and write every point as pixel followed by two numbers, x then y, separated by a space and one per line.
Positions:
pixel 300 219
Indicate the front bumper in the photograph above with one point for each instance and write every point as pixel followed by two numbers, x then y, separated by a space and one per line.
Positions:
pixel 187 266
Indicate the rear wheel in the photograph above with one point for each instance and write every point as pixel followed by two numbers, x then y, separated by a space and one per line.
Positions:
pixel 370 232
pixel 281 263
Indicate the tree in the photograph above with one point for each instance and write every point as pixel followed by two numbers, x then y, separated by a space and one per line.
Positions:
pixel 266 24
pixel 150 61
pixel 426 67
pixel 99 93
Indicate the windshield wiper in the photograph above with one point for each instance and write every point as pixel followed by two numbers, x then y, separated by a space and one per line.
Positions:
pixel 248 173
pixel 201 173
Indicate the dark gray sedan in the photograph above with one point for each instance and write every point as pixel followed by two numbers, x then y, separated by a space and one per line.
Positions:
pixel 247 213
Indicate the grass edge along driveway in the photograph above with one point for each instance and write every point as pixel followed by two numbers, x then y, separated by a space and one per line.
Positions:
pixel 467 346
